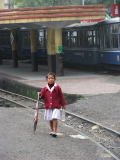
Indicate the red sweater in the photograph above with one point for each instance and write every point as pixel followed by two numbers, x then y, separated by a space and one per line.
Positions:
pixel 53 98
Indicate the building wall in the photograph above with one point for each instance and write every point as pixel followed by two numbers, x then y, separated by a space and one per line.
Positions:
pixel 2 4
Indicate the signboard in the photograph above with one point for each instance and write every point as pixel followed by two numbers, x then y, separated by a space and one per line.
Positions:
pixel 114 10
pixel 91 20
pixel 60 50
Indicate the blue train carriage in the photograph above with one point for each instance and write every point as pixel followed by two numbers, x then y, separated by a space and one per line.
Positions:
pixel 81 43
pixel 41 43
pixel 23 38
pixel 109 35
pixel 5 43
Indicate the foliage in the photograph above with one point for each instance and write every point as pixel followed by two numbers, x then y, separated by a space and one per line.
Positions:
pixel 107 2
pixel 46 3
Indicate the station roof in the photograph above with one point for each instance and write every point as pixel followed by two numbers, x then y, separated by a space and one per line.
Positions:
pixel 53 17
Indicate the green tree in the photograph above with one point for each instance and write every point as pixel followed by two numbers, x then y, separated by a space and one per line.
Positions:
pixel 107 2
pixel 46 3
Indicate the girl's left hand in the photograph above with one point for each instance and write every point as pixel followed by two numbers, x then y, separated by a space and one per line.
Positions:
pixel 38 93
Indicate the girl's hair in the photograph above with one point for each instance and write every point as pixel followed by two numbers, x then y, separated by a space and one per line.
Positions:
pixel 53 74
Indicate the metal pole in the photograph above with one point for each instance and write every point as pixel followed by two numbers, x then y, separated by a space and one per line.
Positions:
pixel 6 3
pixel 82 2
pixel 114 1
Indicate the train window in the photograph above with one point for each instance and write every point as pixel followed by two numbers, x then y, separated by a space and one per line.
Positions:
pixel 68 42
pixel 104 37
pixel 119 28
pixel 66 38
pixel 8 39
pixel 114 35
pixel 106 41
pixel 68 33
pixel 41 38
pixel 114 40
pixel 89 33
pixel 105 30
pixel 74 33
pixel 97 38
pixel 5 38
pixel 94 38
pixel 114 28
pixel 101 37
pixel 25 39
pixel 93 33
pixel 73 38
pixel 119 35
pixel 90 39
pixel 80 38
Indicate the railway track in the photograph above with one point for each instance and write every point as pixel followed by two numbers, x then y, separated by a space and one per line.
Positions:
pixel 103 136
pixel 20 100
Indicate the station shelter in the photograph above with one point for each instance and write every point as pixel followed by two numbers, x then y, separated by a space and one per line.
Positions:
pixel 54 19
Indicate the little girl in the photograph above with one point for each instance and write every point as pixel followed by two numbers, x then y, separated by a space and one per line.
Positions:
pixel 53 100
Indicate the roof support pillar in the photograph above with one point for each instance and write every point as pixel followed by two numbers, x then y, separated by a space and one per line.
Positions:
pixel 33 41
pixel 14 48
pixel 54 41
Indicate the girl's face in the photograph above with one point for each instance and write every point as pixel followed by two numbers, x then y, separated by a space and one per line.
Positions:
pixel 51 79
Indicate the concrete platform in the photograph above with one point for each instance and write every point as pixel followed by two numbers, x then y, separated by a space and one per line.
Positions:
pixel 73 81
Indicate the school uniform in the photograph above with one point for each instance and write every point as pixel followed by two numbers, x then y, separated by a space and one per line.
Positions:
pixel 53 100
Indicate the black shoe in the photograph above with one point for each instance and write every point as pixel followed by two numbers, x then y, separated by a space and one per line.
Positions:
pixel 54 135
pixel 50 133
